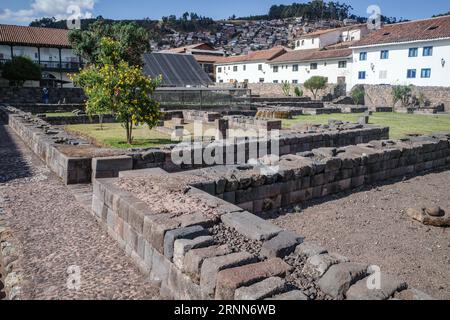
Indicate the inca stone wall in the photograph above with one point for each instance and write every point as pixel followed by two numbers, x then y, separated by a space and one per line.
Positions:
pixel 49 145
pixel 328 171
pixel 275 89
pixel 34 95
pixel 381 95
pixel 184 256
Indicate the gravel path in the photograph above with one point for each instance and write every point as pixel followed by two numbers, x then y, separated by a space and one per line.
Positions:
pixel 371 226
pixel 56 232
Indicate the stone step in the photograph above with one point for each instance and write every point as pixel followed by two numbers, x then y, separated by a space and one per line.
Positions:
pixel 260 290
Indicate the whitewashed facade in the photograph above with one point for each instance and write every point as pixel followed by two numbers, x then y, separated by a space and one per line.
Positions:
pixel 420 63
pixel 247 71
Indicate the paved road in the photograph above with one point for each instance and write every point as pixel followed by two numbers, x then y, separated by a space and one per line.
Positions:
pixel 55 232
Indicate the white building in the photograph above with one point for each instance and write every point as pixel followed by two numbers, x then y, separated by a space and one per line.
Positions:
pixel 416 53
pixel 48 47
pixel 324 38
pixel 250 68
pixel 299 65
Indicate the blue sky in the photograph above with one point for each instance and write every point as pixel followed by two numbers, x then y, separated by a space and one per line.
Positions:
pixel 23 11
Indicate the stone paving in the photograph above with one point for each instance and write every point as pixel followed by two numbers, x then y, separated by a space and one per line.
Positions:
pixel 55 231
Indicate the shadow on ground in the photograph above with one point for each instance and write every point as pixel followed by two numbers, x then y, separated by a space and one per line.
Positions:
pixel 13 165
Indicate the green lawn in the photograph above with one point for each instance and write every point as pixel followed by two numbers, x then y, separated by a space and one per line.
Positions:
pixel 113 135
pixel 400 124
pixel 59 114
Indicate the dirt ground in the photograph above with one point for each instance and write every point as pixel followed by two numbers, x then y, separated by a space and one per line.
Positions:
pixel 371 226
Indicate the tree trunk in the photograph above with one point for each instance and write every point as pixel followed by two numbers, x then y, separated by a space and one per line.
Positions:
pixel 100 119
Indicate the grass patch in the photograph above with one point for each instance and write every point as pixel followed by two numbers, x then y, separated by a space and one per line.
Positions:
pixel 114 135
pixel 400 124
pixel 59 114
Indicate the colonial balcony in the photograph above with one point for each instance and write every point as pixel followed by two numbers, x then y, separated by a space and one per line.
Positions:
pixel 54 65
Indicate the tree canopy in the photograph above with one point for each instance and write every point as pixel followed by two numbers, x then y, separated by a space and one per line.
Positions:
pixel 316 83
pixel 113 85
pixel 133 41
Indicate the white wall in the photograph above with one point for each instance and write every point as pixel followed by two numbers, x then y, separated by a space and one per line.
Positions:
pixel 307 43
pixel 325 68
pixel 252 74
pixel 399 62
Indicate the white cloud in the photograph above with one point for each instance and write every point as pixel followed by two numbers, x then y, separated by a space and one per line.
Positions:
pixel 60 9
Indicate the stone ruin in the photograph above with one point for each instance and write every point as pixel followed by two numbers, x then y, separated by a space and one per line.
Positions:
pixel 201 233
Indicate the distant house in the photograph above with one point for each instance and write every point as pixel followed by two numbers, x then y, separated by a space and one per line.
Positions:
pixel 323 38
pixel 205 54
pixel 49 48
pixel 251 68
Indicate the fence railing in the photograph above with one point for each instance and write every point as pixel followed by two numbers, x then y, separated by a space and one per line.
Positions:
pixel 53 65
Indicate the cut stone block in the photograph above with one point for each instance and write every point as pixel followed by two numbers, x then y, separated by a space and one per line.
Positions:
pixel 281 245
pixel 193 260
pixel 413 294
pixel 212 266
pixel 260 290
pixel 251 226
pixel 309 249
pixel 389 285
pixel 181 233
pixel 338 279
pixel 291 295
pixel 317 265
pixel 182 246
pixel 231 279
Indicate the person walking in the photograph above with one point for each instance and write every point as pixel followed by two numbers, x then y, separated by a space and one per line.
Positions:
pixel 45 95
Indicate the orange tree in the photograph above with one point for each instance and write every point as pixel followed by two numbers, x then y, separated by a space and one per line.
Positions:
pixel 112 85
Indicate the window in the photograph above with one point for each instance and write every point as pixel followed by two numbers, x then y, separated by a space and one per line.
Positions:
pixel 220 81
pixel 260 67
pixel 244 67
pixel 235 68
pixel 413 52
pixel 426 73
pixel 427 51
pixel 295 81
pixel 275 69
pixel 361 75
pixel 295 67
pixel 342 64
pixel 384 54
pixel 219 70
pixel 261 80
pixel 383 74
pixel 275 81
pixel 312 41
pixel 313 66
pixel 303 42
pixel 363 56
pixel 298 43
pixel 411 73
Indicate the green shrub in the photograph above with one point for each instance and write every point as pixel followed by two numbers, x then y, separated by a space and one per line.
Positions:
pixel 21 69
pixel 286 87
pixel 358 94
pixel 402 94
pixel 298 92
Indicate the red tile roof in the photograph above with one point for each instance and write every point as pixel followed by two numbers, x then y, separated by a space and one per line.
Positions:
pixel 311 55
pixel 201 46
pixel 435 28
pixel 20 35
pixel 208 58
pixel 262 55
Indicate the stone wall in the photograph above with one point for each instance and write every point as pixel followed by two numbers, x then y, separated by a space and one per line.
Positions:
pixel 327 171
pixel 72 170
pixel 19 95
pixel 275 89
pixel 36 108
pixel 67 120
pixel 182 255
pixel 381 95
pixel 51 145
